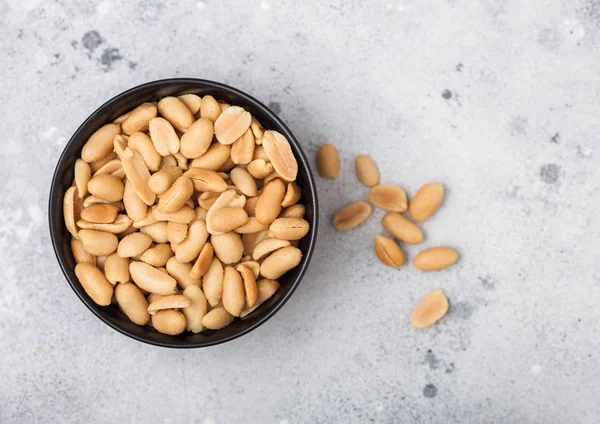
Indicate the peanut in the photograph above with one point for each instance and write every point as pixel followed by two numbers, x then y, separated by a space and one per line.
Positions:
pixel 83 174
pixel 228 247
pixel 232 124
pixel 217 319
pixel 181 273
pixel 209 108
pixel 427 200
pixel 176 112
pixel 233 297
pixel 151 279
pixel 435 258
pixel 94 283
pixel 279 152
pixel 196 140
pixel 402 228
pixel 139 118
pixel 169 321
pixel 269 201
pixel 366 170
pixel 172 301
pixel 328 161
pixel 107 187
pixel 98 243
pixel 280 262
pixel 388 197
pixel 133 303
pixel 212 282
pixel 388 252
pixel 133 245
pixel 430 309
pixel 80 254
pixel 203 262
pixel 100 143
pixel 100 213
pixel 196 311
pixel 351 216
pixel 289 228
pixel 142 144
pixel 116 269
pixel 192 102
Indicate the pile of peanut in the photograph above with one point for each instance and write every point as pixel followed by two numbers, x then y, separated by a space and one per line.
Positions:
pixel 393 199
pixel 185 213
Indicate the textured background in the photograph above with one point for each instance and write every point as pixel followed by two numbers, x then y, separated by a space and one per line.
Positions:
pixel 497 99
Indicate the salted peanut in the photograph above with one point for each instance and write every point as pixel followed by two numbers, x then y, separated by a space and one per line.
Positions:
pixel 100 143
pixel 227 199
pixel 269 201
pixel 161 181
pixel 205 180
pixel 169 321
pixel 94 283
pixel 259 168
pixel 233 297
pixel 232 124
pixel 402 228
pixel 173 301
pixel 98 243
pixel 149 219
pixel 430 309
pixel 139 118
pixel 267 246
pixel 141 143
pixel 192 102
pixel 156 231
pixel 259 153
pixel 289 228
pixel 251 226
pixel 366 170
pixel 196 311
pixel 138 175
pixel 83 174
pixel 72 207
pixel 294 211
pixel 163 137
pixel 158 255
pixel 328 161
pixel 167 161
pixel 243 148
pixel 250 206
pixel 107 187
pixel 292 195
pixel 209 108
pixel 94 166
pixel 196 140
pixel 351 216
pixel 217 319
pixel 181 273
pixel 266 289
pixel 184 215
pixel 279 152
pixel 151 279
pixel 435 258
pixel 216 155
pixel 212 282
pixel 120 224
pixel 203 262
pixel 176 232
pixel 135 207
pixel 227 219
pixel 119 146
pixel 116 269
pixel 132 302
pixel 253 266
pixel 388 252
pixel 100 262
pixel 272 176
pixel 114 168
pixel 388 197
pixel 207 200
pixel 228 247
pixel 280 262
pixel 79 253
pixel 243 181
pixel 223 105
pixel 101 213
pixel 249 282
pixel 190 248
pixel 427 200
pixel 250 241
pixel 176 196
pixel 176 112
pixel 257 129
pixel 134 244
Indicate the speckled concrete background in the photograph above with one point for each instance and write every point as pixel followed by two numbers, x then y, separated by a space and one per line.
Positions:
pixel 497 99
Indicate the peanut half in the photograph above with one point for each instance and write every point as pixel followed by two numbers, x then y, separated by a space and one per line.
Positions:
pixel 328 161
pixel 435 258
pixel 388 252
pixel 366 170
pixel 402 228
pixel 427 200
pixel 388 197
pixel 351 216
pixel 430 309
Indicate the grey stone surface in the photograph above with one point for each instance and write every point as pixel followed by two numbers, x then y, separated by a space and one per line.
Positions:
pixel 497 99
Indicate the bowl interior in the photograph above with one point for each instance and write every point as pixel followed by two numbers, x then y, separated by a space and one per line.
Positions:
pixel 63 178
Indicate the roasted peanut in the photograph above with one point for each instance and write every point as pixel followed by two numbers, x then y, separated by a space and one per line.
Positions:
pixel 233 297
pixel 133 303
pixel 232 124
pixel 100 143
pixel 142 144
pixel 120 224
pixel 156 231
pixel 163 136
pixel 139 118
pixel 133 245
pixel 83 174
pixel 183 215
pixel 176 232
pixel 289 228
pixel 196 311
pixel 435 258
pixel 94 166
pixel 79 253
pixel 100 213
pixel 351 216
pixel 243 148
pixel 190 248
pixel 212 282
pixel 294 211
pixel 280 154
pixel 266 289
pixel 402 228
pixel 250 288
pixel 94 283
pixel 388 197
pixel 214 158
pixel 196 140
pixel 267 246
pixel 181 273
pixel 176 196
pixel 430 309
pixel 176 112
pixel 280 262
pixel 205 180
pixel 169 321
pixel 228 247
pixel 172 301
pixel 137 173
pixel 98 243
pixel 72 207
pixel 243 181
pixel 192 102
pixel 427 200
pixel 203 262
pixel 388 252
pixel 151 279
pixel 269 201
pixel 328 161
pixel 158 255
pixel 251 226
pixel 116 269
pixel 106 187
pixel 209 108
pixel 366 170
pixel 217 318
pixel 259 169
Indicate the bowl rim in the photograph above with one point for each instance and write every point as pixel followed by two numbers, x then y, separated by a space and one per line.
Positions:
pixel 158 84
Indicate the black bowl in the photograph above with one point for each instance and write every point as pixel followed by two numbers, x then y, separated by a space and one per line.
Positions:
pixel 63 177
